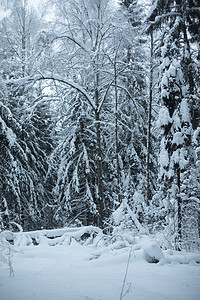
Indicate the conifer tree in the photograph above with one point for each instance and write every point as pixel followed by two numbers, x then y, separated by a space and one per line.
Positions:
pixel 134 113
pixel 76 184
pixel 178 181
pixel 28 122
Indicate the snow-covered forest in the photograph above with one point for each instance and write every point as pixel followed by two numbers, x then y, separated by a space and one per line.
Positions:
pixel 99 122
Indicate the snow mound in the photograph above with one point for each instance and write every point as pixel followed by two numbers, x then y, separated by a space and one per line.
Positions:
pixel 52 237
pixel 176 257
pixel 152 251
pixel 145 247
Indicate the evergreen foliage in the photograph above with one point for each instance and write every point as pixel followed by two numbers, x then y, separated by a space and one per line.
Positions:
pixel 25 126
pixel 177 119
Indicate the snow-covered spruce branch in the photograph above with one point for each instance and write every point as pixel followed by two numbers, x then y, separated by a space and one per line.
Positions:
pixel 164 16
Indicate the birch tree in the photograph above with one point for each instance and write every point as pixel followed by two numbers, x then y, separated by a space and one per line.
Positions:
pixel 85 40
pixel 86 32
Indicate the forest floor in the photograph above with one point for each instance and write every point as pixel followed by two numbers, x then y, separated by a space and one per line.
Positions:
pixel 74 271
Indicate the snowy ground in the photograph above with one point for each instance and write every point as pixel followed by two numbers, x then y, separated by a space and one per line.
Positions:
pixel 79 272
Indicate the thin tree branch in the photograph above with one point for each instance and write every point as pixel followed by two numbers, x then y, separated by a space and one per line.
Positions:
pixel 72 84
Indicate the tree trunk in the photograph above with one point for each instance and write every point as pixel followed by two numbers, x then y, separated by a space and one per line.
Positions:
pixel 99 170
pixel 100 202
pixel 23 38
pixel 149 121
pixel 118 188
pixel 179 221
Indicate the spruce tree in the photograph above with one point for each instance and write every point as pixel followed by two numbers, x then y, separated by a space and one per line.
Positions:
pixel 28 120
pixel 75 190
pixel 177 179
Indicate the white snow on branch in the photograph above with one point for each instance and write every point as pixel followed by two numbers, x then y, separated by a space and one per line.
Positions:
pixel 164 117
pixel 76 86
pixel 177 138
pixel 10 135
pixel 185 111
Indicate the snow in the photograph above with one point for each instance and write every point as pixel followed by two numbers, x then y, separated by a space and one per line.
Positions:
pixel 185 111
pixel 164 94
pixel 164 156
pixel 164 81
pixel 118 214
pixel 152 250
pixel 72 270
pixel 184 159
pixel 165 62
pixel 4 13
pixel 196 135
pixel 172 71
pixel 164 117
pixel 177 138
pixel 70 83
pixel 10 135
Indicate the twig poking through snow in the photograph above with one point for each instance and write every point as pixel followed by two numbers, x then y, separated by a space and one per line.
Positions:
pixel 125 276
pixel 10 262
